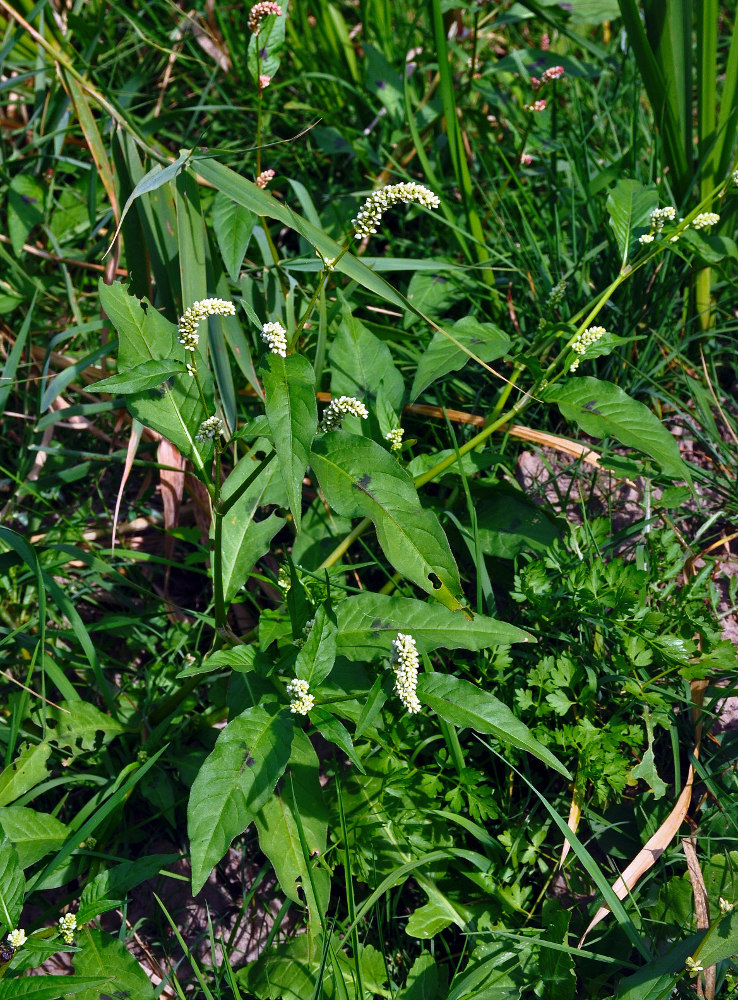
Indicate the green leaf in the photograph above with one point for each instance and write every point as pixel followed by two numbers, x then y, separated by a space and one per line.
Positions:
pixel 246 540
pixel 110 888
pixel 428 920
pixel 334 731
pixel 27 770
pixel 48 987
pixel 604 410
pixel 630 206
pixel 316 658
pixel 146 376
pixel 101 954
pixel 25 209
pixel 76 724
pixel 361 363
pixel 361 479
pixel 233 783
pixel 422 979
pixel 464 705
pixel 508 522
pixel 12 884
pixel 279 837
pixel 34 834
pixel 367 624
pixel 265 48
pixel 450 353
pixel 233 226
pixel 175 410
pixel 240 658
pixel 292 412
pixel 708 249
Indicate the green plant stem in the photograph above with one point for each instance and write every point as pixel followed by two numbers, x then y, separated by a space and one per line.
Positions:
pixel 324 274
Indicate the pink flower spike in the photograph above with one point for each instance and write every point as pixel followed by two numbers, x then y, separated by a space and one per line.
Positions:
pixel 545 42
pixel 264 81
pixel 535 106
pixel 261 10
pixel 526 159
pixel 553 73
pixel 263 179
pixel 535 82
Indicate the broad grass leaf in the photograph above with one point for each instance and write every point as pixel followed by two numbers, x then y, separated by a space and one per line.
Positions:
pixel 50 987
pixel 175 411
pixel 148 375
pixel 316 658
pixel 630 205
pixel 12 884
pixel 279 838
pixel 102 954
pixel 604 410
pixel 367 624
pixel 233 226
pixel 34 834
pixel 26 771
pixel 466 706
pixel 442 356
pixel 361 479
pixel 110 888
pixel 292 412
pixel 233 784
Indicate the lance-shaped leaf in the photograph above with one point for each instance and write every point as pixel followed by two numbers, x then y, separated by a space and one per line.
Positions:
pixel 233 226
pixel 604 410
pixel 630 206
pixel 148 375
pixel 466 706
pixel 361 479
pixel 367 624
pixel 233 784
pixel 446 352
pixel 316 658
pixel 174 409
pixel 292 412
pixel 12 885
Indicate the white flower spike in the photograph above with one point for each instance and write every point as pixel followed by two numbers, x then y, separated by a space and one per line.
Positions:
pixel 379 201
pixel 188 324
pixel 404 661
pixel 338 409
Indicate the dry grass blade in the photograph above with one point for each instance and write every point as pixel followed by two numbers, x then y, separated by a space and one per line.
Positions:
pixel 702 912
pixel 657 844
pixel 131 450
pixel 575 813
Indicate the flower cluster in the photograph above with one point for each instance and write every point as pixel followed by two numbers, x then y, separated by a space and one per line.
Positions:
pixel 264 81
pixel 379 201
pixel 660 216
pixel 302 639
pixel 584 340
pixel 274 336
pixel 261 10
pixel 725 905
pixel 705 219
pixel 552 73
pixel 263 179
pixel 395 438
pixel 188 324
pixel 404 661
pixel 302 702
pixel 338 409
pixel 209 429
pixel 67 927
pixel 734 176
pixel 556 295
pixel 535 106
pixel 17 938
